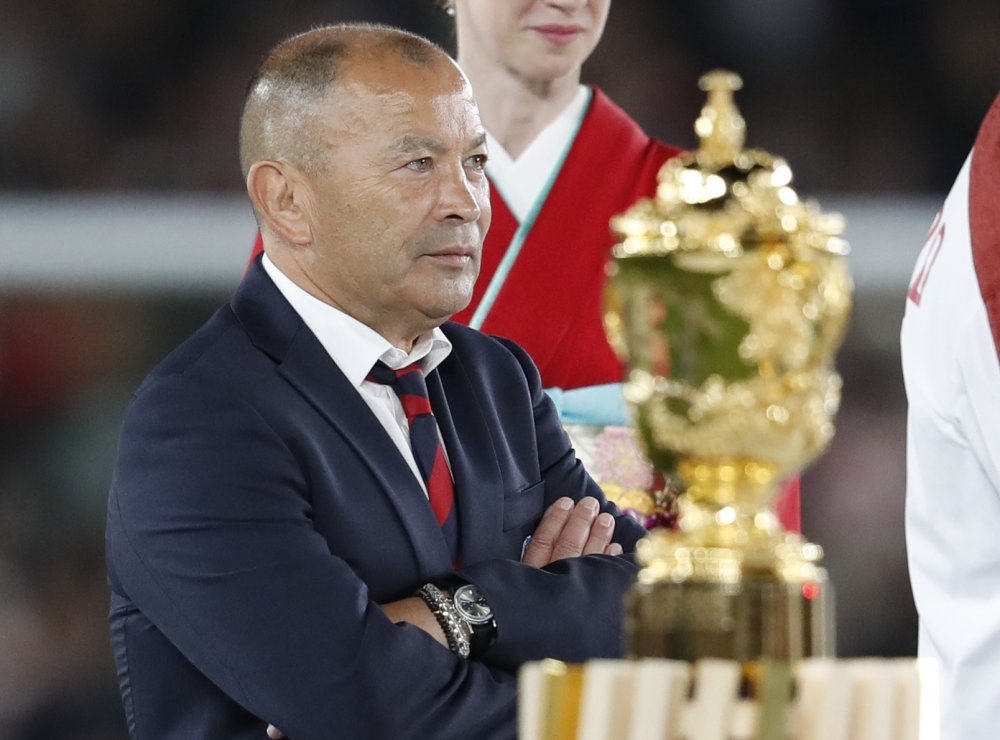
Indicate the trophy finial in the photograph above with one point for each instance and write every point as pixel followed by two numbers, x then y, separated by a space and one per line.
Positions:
pixel 721 127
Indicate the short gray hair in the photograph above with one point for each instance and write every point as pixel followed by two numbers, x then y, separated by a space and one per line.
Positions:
pixel 280 109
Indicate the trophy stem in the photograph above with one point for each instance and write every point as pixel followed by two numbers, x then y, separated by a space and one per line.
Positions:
pixel 730 583
pixel 747 485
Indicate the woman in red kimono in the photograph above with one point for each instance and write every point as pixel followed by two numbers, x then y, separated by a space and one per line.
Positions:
pixel 563 160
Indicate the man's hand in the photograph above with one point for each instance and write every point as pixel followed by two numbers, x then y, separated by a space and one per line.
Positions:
pixel 568 530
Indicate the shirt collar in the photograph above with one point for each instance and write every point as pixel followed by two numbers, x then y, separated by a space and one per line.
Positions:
pixel 352 345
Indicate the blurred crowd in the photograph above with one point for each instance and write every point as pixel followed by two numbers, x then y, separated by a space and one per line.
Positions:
pixel 873 96
pixel 68 366
pixel 870 95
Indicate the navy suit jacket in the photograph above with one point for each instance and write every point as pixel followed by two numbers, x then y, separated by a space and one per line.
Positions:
pixel 259 514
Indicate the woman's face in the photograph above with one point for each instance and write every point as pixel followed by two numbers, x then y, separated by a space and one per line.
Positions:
pixel 536 39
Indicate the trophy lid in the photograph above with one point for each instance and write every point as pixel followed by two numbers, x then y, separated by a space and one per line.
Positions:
pixel 723 199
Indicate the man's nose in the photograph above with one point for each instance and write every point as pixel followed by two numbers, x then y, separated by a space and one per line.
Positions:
pixel 459 198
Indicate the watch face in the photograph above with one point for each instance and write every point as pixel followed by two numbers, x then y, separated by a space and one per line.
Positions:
pixel 472 606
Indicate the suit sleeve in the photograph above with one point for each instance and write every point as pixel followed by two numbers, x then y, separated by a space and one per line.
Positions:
pixel 571 609
pixel 210 535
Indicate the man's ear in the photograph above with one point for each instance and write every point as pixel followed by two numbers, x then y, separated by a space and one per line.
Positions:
pixel 280 197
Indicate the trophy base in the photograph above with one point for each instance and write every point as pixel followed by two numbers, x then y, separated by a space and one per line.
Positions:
pixel 756 618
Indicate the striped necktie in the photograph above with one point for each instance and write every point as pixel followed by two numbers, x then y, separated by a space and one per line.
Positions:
pixel 425 441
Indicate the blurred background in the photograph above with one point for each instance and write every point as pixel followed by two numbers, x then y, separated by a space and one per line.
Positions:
pixel 123 226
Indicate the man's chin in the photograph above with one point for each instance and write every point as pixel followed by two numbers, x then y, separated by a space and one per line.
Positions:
pixel 439 299
pixel 443 310
pixel 440 314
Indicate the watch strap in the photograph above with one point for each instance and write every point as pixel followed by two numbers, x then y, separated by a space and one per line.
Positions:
pixel 453 626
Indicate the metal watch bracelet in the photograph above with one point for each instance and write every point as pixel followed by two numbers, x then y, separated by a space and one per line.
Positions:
pixel 447 617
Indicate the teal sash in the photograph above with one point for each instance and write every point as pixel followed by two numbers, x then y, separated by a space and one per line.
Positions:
pixel 594 404
pixel 521 235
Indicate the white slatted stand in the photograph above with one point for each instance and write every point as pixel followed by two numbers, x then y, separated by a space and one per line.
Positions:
pixel 861 699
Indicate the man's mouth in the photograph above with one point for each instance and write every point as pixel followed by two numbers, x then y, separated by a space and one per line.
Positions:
pixel 558 34
pixel 454 256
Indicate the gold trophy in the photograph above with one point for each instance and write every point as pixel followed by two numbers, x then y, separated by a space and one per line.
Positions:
pixel 727 300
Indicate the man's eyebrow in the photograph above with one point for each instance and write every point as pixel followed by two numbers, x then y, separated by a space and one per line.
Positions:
pixel 409 143
pixel 478 141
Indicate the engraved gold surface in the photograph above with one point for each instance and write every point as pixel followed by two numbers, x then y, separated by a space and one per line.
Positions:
pixel 727 299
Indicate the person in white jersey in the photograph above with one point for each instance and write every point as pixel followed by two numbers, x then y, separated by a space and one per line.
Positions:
pixel 949 344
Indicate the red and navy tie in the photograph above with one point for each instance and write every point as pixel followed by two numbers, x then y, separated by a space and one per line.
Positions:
pixel 425 441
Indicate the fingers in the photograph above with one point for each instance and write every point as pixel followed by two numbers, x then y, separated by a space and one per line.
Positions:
pixel 568 530
pixel 601 532
pixel 274 733
pixel 545 536
pixel 576 533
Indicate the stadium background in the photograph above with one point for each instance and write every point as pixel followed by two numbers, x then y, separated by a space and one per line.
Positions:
pixel 122 227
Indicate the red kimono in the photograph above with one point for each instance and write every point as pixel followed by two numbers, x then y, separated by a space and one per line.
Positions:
pixel 551 302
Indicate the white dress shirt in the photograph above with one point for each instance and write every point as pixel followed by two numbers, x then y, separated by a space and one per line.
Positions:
pixel 521 181
pixel 355 348
pixel 952 376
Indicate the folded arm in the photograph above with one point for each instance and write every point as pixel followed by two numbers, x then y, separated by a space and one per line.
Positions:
pixel 571 608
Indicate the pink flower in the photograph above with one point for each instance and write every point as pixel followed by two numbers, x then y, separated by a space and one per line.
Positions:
pixel 618 458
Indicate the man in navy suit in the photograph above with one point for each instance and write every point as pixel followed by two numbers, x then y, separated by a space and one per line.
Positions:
pixel 322 498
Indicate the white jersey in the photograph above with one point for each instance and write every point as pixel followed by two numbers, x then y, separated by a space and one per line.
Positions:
pixel 952 374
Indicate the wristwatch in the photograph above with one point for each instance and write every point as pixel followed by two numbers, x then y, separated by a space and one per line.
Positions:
pixel 463 614
pixel 477 616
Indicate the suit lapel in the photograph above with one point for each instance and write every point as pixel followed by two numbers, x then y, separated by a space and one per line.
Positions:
pixel 472 454
pixel 277 330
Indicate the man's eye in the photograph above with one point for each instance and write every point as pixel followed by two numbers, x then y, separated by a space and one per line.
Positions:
pixel 477 161
pixel 424 163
